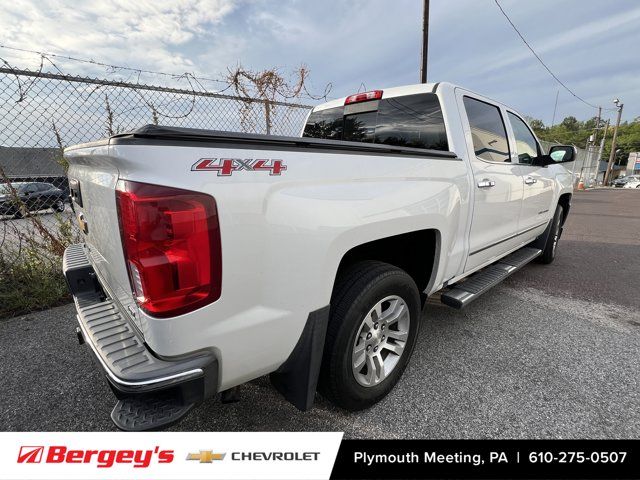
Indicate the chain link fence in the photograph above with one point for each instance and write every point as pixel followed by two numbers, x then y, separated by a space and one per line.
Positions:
pixel 42 113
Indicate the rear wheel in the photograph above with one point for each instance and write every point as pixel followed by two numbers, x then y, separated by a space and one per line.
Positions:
pixel 373 326
pixel 549 251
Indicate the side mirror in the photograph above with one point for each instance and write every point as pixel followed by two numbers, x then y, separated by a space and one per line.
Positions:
pixel 563 153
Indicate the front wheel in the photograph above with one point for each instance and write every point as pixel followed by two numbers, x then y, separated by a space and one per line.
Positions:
pixel 549 251
pixel 373 326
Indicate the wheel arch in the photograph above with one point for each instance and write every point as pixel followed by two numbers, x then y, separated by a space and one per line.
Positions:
pixel 415 252
pixel 565 201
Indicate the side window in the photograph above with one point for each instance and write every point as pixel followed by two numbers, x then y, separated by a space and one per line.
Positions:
pixel 526 145
pixel 487 131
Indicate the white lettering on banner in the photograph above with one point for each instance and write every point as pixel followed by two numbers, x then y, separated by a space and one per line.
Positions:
pixel 371 459
pixel 168 455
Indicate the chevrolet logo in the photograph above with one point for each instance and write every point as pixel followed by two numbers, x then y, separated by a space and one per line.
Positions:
pixel 84 225
pixel 206 456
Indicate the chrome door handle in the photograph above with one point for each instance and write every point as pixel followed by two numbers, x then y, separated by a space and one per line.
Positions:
pixel 486 183
pixel 530 180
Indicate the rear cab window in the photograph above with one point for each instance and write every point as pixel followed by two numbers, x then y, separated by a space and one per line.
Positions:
pixel 408 121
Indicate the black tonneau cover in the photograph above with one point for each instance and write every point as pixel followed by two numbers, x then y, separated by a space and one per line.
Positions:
pixel 159 135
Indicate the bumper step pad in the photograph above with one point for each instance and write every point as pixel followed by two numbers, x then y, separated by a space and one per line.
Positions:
pixel 141 413
pixel 464 293
pixel 153 392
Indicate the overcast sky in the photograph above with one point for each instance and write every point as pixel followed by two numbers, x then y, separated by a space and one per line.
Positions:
pixel 591 45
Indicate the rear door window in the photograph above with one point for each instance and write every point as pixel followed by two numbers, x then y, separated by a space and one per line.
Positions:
pixel 409 121
pixel 487 131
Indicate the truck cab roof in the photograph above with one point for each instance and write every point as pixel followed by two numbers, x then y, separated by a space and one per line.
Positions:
pixel 403 90
pixel 387 93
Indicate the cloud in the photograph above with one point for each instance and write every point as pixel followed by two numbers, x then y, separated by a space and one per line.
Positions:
pixel 140 33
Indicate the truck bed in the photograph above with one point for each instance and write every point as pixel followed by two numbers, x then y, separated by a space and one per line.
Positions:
pixel 161 135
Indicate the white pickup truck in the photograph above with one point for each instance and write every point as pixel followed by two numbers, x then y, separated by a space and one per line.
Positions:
pixel 212 258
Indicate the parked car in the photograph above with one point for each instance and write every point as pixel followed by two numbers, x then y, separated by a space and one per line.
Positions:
pixel 633 181
pixel 31 196
pixel 212 258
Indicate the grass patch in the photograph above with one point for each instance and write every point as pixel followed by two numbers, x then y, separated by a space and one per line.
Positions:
pixel 31 284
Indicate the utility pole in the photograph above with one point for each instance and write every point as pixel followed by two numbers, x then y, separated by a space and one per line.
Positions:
pixel 595 130
pixel 592 142
pixel 602 142
pixel 612 156
pixel 425 42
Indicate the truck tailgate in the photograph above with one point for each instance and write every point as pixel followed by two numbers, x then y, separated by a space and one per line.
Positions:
pixel 93 176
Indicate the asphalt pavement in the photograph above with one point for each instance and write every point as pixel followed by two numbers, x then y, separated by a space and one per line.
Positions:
pixel 554 351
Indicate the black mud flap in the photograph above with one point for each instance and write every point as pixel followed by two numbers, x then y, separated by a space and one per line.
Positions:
pixel 541 241
pixel 297 377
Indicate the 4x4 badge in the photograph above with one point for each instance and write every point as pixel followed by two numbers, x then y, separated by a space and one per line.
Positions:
pixel 226 166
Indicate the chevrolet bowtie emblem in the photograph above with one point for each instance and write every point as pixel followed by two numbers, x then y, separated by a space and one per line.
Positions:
pixel 206 456
pixel 84 225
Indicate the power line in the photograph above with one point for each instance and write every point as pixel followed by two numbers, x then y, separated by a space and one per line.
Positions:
pixel 544 64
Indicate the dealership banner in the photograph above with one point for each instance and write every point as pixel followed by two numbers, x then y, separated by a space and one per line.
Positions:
pixel 167 455
pixel 302 455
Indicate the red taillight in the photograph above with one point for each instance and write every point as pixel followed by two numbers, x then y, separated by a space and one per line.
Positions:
pixel 364 97
pixel 171 242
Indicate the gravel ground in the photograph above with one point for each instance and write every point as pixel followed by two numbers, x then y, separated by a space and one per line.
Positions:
pixel 552 352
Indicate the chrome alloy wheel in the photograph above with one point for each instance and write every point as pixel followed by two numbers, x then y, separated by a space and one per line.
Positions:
pixel 380 341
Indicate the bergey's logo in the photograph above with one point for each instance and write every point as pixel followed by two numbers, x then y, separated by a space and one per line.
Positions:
pixel 30 454
pixel 100 458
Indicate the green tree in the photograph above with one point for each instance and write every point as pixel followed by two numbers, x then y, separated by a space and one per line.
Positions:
pixel 572 131
pixel 571 123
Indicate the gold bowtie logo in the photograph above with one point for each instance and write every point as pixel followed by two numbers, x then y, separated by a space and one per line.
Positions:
pixel 206 456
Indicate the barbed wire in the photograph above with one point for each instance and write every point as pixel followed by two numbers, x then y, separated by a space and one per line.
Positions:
pixel 107 65
pixel 188 76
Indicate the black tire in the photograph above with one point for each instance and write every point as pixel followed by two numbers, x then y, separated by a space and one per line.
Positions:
pixel 356 292
pixel 549 251
pixel 58 206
